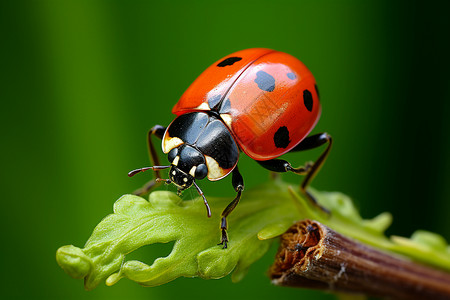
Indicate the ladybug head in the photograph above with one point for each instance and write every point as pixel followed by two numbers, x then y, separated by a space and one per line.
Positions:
pixel 187 165
pixel 180 178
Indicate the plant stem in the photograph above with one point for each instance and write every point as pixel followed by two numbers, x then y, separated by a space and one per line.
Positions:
pixel 312 255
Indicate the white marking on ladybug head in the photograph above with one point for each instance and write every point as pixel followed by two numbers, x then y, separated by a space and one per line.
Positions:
pixel 204 106
pixel 215 172
pixel 185 180
pixel 227 119
pixel 175 160
pixel 170 142
pixel 192 171
pixel 174 172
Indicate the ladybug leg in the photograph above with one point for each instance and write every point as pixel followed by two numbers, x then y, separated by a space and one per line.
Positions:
pixel 157 131
pixel 310 169
pixel 238 185
pixel 312 142
pixel 280 166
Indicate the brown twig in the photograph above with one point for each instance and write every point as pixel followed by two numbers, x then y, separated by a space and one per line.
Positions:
pixel 312 255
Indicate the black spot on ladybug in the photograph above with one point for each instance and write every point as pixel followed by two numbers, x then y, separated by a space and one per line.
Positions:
pixel 214 101
pixel 308 100
pixel 317 91
pixel 265 81
pixel 281 137
pixel 291 75
pixel 229 61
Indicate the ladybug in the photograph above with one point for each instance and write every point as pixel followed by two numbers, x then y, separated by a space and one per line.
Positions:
pixel 258 101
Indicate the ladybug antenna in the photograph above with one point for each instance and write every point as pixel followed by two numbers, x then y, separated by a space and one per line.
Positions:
pixel 166 181
pixel 200 192
pixel 134 172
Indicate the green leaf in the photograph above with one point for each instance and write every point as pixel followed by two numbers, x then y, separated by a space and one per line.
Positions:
pixel 264 213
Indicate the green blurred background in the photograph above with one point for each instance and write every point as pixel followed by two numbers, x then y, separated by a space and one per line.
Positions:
pixel 83 81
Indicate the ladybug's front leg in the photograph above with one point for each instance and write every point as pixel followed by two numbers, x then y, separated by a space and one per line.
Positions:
pixel 238 185
pixel 157 131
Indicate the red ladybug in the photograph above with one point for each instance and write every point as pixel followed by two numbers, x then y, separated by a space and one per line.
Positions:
pixel 258 101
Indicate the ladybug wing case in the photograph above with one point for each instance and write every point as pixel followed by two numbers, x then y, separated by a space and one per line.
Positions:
pixel 271 96
pixel 216 80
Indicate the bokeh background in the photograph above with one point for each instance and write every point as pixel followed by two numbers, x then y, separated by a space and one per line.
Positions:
pixel 83 81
